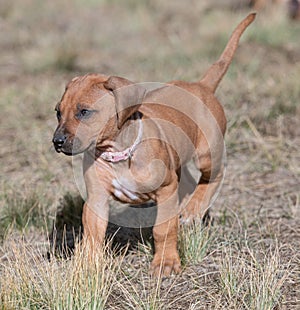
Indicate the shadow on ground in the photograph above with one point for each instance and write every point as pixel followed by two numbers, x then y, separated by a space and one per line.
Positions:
pixel 128 225
pixel 68 229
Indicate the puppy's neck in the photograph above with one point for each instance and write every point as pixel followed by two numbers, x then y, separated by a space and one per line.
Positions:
pixel 125 140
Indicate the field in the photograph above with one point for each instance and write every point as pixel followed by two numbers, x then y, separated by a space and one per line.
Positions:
pixel 249 256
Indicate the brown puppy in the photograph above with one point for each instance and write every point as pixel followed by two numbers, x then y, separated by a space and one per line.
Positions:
pixel 136 138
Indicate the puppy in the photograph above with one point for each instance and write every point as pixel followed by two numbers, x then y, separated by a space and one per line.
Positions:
pixel 137 137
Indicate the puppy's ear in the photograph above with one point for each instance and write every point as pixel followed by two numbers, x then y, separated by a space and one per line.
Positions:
pixel 128 97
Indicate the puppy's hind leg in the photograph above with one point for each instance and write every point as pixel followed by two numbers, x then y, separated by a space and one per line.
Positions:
pixel 196 207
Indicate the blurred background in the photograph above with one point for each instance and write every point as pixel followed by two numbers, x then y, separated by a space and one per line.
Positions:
pixel 44 44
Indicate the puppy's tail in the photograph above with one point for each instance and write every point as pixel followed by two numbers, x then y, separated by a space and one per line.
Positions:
pixel 215 73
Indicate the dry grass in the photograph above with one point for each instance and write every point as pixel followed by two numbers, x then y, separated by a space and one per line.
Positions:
pixel 82 282
pixel 249 258
pixel 251 282
pixel 238 278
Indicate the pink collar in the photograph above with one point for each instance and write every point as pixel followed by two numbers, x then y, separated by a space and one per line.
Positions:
pixel 115 157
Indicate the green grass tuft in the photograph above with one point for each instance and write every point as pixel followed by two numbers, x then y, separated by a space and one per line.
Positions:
pixel 194 243
pixel 21 210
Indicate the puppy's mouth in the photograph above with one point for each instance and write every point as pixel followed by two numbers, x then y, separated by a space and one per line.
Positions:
pixel 72 151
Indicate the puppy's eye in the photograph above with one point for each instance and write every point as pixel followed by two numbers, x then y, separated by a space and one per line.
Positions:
pixel 58 115
pixel 84 114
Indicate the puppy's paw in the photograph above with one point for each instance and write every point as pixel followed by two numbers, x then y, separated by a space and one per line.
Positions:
pixel 165 266
pixel 189 216
pixel 189 219
pixel 193 212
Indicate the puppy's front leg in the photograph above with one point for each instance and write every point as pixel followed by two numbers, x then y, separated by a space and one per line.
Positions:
pixel 94 224
pixel 166 258
pixel 96 209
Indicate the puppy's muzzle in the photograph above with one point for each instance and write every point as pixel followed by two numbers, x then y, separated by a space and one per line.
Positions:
pixel 59 141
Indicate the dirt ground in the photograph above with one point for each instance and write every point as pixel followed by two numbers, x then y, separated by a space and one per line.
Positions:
pixel 256 218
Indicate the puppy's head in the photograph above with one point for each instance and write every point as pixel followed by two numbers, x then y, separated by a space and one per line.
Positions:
pixel 92 110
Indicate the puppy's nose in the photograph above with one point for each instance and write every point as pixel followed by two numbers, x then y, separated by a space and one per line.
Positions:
pixel 58 141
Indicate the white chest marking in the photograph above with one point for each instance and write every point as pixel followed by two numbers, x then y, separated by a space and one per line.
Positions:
pixel 120 190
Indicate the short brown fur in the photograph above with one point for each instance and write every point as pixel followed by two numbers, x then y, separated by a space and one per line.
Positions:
pixel 113 104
